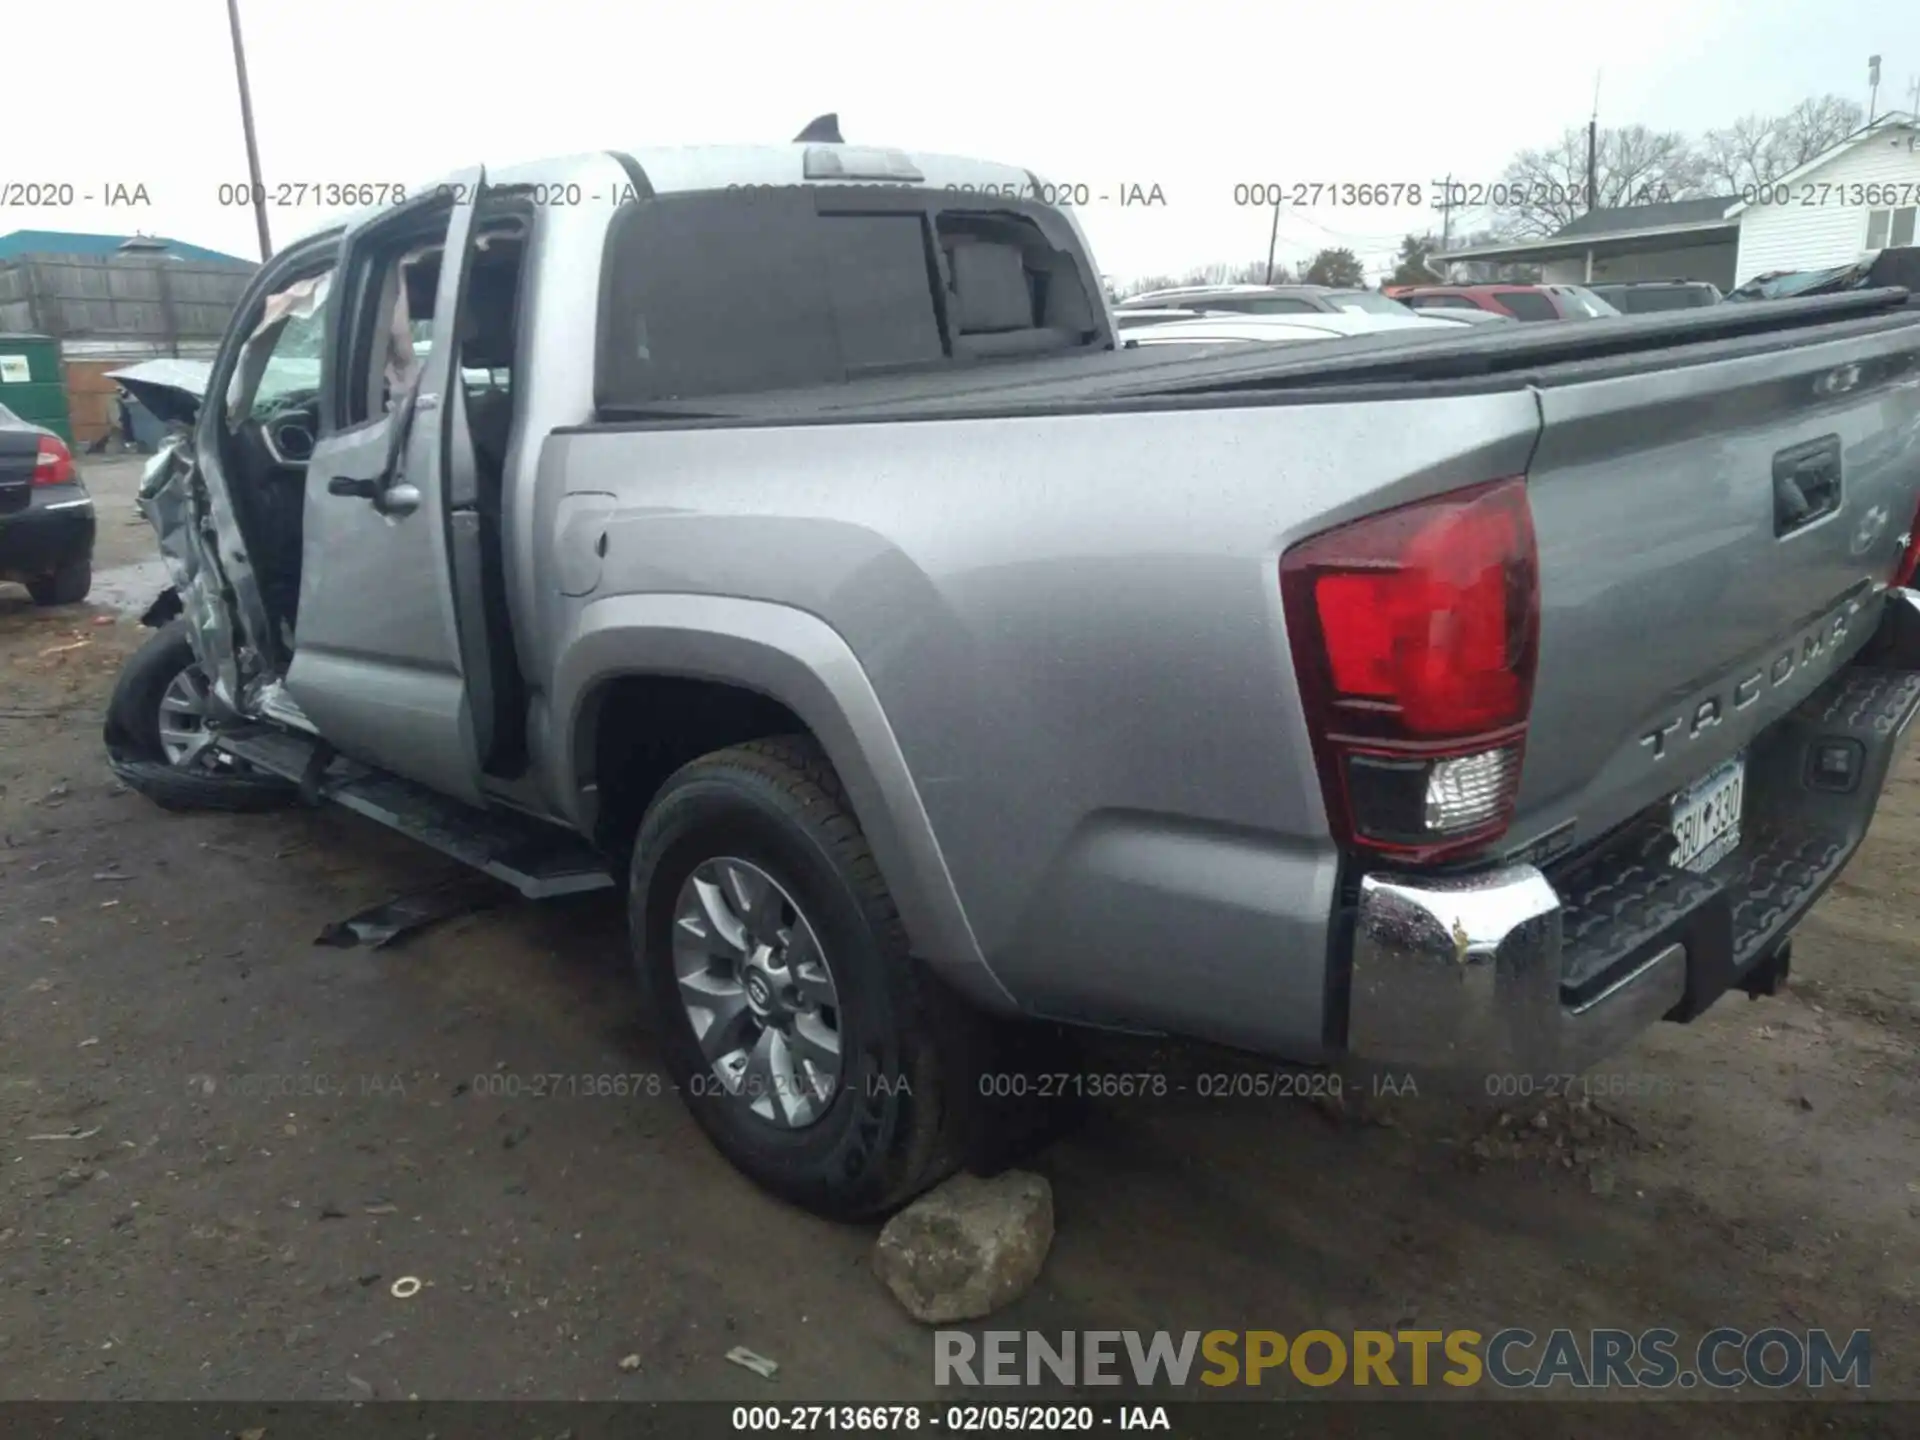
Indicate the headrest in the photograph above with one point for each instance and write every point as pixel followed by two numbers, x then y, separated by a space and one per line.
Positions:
pixel 990 289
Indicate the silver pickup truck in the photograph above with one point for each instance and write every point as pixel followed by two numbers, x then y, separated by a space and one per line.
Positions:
pixel 784 536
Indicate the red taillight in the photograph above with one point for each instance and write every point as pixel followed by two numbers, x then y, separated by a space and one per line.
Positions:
pixel 54 464
pixel 1415 634
pixel 1909 567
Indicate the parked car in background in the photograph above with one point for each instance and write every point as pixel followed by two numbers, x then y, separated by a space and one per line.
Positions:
pixel 46 514
pixel 1645 297
pixel 1466 315
pixel 1269 329
pixel 1130 320
pixel 1522 302
pixel 1894 266
pixel 1265 300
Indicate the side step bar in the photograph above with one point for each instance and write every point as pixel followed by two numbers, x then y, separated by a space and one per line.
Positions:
pixel 539 860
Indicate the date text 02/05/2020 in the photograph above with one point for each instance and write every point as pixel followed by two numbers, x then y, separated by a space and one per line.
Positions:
pixel 1445 194
pixel 367 194
pixel 954 1419
pixel 1063 194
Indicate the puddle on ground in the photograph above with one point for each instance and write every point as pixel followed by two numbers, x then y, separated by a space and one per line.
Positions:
pixel 130 588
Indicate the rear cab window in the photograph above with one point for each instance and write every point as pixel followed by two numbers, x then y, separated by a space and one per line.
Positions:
pixel 1579 303
pixel 729 292
pixel 1526 304
pixel 1645 300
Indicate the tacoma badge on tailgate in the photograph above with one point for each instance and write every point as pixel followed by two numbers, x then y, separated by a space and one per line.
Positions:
pixel 1712 708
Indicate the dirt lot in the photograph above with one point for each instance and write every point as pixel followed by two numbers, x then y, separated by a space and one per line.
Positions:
pixel 274 1132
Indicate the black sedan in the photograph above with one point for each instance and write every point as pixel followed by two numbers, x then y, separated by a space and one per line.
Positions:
pixel 46 515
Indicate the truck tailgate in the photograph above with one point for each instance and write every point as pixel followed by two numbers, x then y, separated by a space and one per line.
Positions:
pixel 1714 534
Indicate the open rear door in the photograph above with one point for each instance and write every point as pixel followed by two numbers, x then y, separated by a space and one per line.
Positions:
pixel 377 663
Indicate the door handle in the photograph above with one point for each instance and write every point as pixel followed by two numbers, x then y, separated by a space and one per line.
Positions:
pixel 1806 484
pixel 361 489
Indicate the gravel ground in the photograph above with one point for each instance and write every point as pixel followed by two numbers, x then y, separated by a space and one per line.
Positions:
pixel 269 1133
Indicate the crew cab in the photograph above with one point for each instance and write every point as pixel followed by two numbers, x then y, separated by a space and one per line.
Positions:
pixel 784 538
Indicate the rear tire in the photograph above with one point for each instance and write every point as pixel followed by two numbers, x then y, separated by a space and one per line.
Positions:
pixel 774 810
pixel 139 754
pixel 66 586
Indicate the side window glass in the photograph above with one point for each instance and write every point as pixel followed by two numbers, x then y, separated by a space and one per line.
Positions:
pixel 395 276
pixel 280 364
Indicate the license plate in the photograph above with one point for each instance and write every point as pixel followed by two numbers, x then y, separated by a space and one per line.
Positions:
pixel 1706 817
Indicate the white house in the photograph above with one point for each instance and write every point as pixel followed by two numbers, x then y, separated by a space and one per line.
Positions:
pixel 1861 195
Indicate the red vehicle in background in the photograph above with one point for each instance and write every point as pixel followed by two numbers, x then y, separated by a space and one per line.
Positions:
pixel 1522 302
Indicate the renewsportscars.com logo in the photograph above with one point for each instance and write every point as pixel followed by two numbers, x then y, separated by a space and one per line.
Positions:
pixel 1723 1358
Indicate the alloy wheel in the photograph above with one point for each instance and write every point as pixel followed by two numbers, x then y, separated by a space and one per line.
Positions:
pixel 758 991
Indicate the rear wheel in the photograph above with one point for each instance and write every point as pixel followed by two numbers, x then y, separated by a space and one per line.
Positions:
pixel 812 1049
pixel 66 586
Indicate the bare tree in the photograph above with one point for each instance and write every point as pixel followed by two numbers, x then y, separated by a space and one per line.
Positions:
pixel 1252 272
pixel 1813 127
pixel 1744 153
pixel 1546 190
pixel 1758 148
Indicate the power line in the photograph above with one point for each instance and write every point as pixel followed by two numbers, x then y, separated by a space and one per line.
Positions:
pixel 1380 237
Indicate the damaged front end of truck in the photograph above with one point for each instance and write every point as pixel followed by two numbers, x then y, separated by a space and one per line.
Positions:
pixel 214 600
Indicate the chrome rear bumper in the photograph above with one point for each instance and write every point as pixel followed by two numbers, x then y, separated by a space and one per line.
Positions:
pixel 1512 970
pixel 1466 975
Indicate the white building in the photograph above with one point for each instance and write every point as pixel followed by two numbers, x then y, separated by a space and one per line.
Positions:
pixel 1859 196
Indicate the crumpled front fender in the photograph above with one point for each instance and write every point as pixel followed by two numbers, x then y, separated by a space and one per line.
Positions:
pixel 173 500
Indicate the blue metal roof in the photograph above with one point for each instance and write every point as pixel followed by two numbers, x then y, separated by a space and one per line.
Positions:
pixel 67 242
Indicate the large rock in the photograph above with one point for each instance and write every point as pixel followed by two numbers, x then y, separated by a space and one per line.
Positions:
pixel 963 1250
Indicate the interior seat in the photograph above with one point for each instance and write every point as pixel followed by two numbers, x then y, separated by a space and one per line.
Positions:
pixel 991 304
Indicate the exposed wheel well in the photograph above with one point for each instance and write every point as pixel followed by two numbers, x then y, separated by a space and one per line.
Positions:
pixel 636 730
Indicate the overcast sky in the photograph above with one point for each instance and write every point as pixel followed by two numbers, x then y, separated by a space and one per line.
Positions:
pixel 1193 97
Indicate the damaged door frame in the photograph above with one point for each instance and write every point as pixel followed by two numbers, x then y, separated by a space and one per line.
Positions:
pixel 233 630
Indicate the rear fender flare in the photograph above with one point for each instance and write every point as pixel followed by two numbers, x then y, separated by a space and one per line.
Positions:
pixel 802 662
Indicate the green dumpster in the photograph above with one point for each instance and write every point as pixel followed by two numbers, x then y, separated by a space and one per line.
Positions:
pixel 33 384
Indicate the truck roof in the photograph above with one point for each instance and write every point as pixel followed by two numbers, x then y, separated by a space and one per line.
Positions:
pixel 603 178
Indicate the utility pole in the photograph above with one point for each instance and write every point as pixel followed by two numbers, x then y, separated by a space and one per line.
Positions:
pixel 1273 235
pixel 1593 146
pixel 1873 85
pixel 246 124
pixel 1445 205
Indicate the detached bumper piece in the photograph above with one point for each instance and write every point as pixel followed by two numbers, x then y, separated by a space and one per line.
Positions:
pixel 1546 972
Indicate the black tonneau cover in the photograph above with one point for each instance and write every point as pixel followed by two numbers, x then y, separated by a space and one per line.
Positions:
pixel 1459 358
